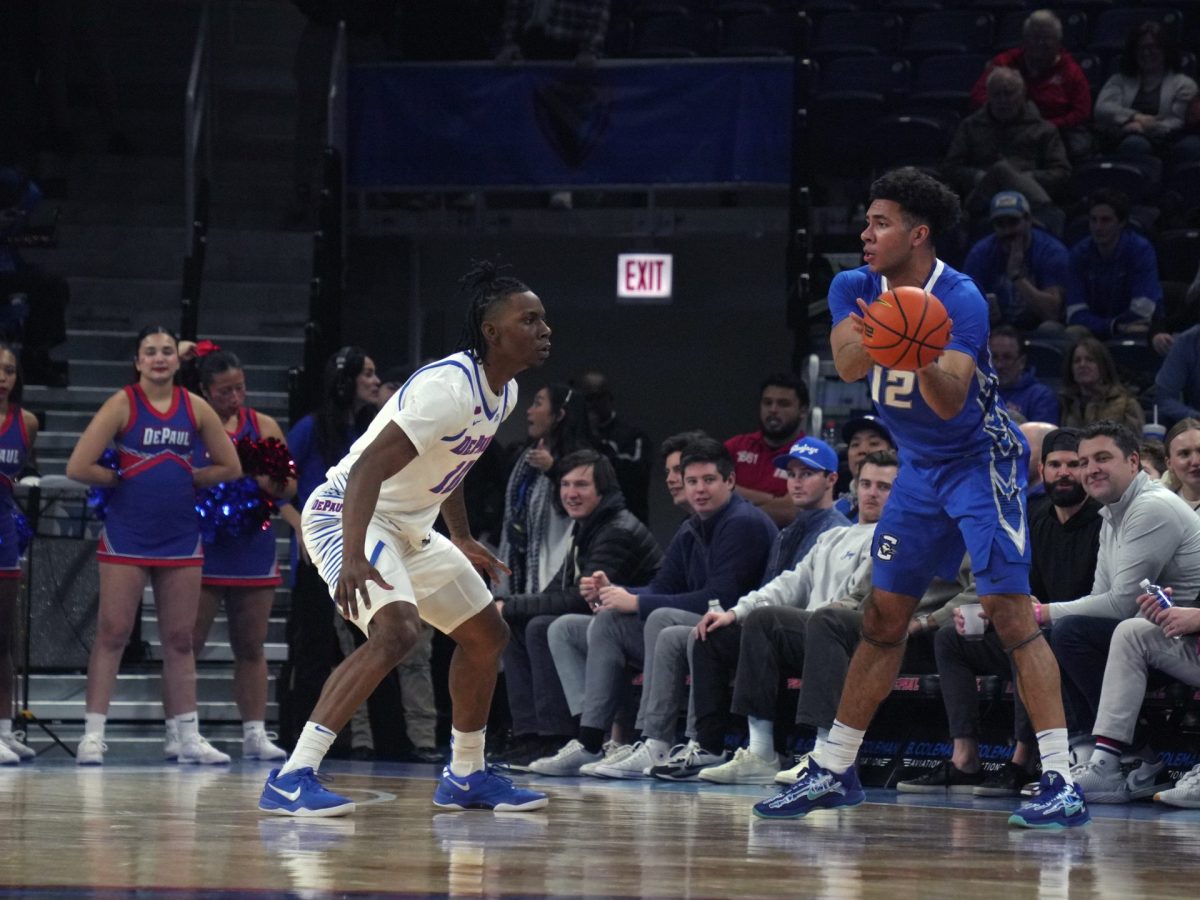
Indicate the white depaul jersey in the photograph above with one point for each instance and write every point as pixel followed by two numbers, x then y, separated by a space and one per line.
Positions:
pixel 451 415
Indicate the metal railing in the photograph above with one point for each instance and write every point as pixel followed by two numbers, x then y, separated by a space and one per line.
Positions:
pixel 197 172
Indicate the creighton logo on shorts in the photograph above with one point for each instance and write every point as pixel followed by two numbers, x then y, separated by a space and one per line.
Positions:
pixel 887 546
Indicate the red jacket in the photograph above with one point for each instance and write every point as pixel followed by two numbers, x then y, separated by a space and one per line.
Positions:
pixel 1062 94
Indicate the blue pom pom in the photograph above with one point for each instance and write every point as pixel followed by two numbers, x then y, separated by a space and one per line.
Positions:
pixel 233 509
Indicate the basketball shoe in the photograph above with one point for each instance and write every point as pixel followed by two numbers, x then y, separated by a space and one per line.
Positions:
pixel 816 788
pixel 300 793
pixel 485 789
pixel 1057 805
pixel 13 741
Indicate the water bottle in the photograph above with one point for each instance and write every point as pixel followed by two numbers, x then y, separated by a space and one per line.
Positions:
pixel 1164 602
pixel 714 606
pixel 829 433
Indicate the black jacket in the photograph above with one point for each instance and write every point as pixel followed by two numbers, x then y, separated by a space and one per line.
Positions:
pixel 611 540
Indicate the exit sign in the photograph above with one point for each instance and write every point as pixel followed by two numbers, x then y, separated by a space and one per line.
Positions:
pixel 644 277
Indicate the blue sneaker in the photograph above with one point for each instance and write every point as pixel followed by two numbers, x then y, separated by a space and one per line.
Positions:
pixel 299 793
pixel 1056 805
pixel 485 789
pixel 816 788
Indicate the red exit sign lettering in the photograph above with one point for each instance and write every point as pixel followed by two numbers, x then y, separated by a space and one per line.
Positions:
pixel 644 277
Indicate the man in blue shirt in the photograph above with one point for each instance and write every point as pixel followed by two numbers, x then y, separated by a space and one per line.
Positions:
pixel 1177 385
pixel 1021 270
pixel 1022 393
pixel 1112 286
pixel 960 488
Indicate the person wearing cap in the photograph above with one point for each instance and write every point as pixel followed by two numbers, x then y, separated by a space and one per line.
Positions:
pixel 1064 537
pixel 1021 269
pixel 862 435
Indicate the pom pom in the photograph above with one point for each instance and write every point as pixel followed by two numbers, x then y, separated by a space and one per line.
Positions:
pixel 269 457
pixel 233 509
pixel 98 497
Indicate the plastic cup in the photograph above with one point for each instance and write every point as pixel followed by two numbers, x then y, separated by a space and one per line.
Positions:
pixel 1152 431
pixel 974 625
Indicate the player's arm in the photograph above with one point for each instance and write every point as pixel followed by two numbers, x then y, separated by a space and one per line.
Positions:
pixel 454 514
pixel 105 425
pixel 31 431
pixel 945 382
pixel 850 358
pixel 225 464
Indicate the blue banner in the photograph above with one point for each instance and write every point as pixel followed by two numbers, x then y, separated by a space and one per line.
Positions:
pixel 476 125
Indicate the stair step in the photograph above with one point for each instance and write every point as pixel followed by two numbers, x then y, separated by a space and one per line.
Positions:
pixel 253 349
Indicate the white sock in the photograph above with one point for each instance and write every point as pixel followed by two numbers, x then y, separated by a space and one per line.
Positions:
pixel 1106 759
pixel 189 726
pixel 171 726
pixel 249 729
pixel 762 737
pixel 1055 753
pixel 466 751
pixel 6 726
pixel 839 750
pixel 822 734
pixel 314 742
pixel 658 749
pixel 93 723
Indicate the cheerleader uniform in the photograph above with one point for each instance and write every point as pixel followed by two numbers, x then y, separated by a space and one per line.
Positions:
pixel 151 518
pixel 246 560
pixel 14 450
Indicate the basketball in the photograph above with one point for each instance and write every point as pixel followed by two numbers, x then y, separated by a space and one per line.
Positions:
pixel 906 328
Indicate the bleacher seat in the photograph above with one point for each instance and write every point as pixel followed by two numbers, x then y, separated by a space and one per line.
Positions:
pixel 743 7
pixel 885 78
pixel 676 37
pixel 1183 182
pixel 1114 25
pixel 759 34
pixel 1002 7
pixel 944 82
pixel 1010 26
pixel 1093 70
pixel 618 42
pixel 824 7
pixel 948 31
pixel 1117 174
pixel 1046 359
pixel 1178 254
pixel 910 7
pixel 644 9
pixel 913 139
pixel 851 34
pixel 1136 363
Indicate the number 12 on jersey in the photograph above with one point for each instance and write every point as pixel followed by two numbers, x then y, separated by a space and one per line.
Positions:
pixel 896 386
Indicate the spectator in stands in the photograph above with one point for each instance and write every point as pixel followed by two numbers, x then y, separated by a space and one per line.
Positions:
pixel 349 400
pixel 1092 390
pixel 782 408
pixel 1112 282
pixel 1154 459
pixel 605 537
pixel 1056 83
pixel 1064 540
pixel 1007 146
pixel 1023 395
pixel 751 636
pixel 626 445
pixel 1035 488
pixel 1182 446
pixel 1021 270
pixel 1177 384
pixel 558 29
pixel 718 553
pixel 39 323
pixel 1139 645
pixel 863 435
pixel 1148 532
pixel 1140 110
pixel 672 453
pixel 536 532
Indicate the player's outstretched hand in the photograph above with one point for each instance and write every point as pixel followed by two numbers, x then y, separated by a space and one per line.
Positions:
pixel 352 586
pixel 482 558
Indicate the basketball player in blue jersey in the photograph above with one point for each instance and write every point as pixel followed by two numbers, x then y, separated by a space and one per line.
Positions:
pixel 960 486
pixel 371 523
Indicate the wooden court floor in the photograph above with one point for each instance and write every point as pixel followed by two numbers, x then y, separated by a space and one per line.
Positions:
pixel 160 830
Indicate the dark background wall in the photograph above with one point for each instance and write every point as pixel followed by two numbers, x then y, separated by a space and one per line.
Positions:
pixel 695 363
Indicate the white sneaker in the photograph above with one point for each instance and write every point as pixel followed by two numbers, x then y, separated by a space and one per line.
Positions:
pixel 640 759
pixel 686 761
pixel 14 743
pixel 196 751
pixel 8 758
pixel 1101 785
pixel 613 752
pixel 566 762
pixel 744 768
pixel 1147 779
pixel 171 746
pixel 257 745
pixel 90 751
pixel 792 775
pixel 1186 792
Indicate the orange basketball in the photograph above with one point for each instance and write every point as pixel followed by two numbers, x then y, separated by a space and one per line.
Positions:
pixel 906 328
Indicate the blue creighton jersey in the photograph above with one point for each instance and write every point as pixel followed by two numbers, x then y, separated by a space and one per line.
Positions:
pixel 982 425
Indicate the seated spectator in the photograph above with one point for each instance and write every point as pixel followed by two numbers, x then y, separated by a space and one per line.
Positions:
pixel 1035 488
pixel 1182 448
pixel 1064 541
pixel 1140 110
pixel 1112 279
pixel 605 537
pixel 672 453
pixel 718 553
pixel 1024 396
pixel 1022 270
pixel 1154 459
pixel 1056 83
pixel 1139 645
pixel 782 407
pixel 1092 391
pixel 863 435
pixel 626 445
pixel 1177 384
pixel 1007 146
pixel 40 323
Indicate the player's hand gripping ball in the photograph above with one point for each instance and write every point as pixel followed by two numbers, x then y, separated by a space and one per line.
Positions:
pixel 906 328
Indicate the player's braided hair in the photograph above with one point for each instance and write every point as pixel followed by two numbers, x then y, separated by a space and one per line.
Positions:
pixel 483 285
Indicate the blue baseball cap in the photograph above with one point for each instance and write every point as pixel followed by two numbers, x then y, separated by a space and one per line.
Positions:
pixel 813 453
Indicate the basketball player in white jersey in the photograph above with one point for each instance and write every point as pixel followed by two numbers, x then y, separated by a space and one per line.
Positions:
pixel 371 523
